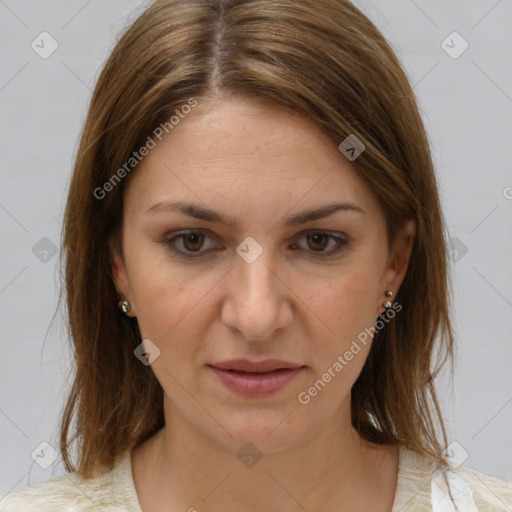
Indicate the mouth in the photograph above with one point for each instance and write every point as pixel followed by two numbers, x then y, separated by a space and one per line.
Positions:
pixel 246 366
pixel 254 379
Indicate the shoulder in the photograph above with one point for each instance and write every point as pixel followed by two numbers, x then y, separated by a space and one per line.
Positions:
pixel 489 492
pixel 423 485
pixel 63 493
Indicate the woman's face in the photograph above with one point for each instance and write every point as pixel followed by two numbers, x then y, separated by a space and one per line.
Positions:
pixel 273 285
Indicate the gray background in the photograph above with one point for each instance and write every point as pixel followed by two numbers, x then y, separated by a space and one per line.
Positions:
pixel 466 103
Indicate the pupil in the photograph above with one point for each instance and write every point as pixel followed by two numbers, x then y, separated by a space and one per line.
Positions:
pixel 315 237
pixel 195 246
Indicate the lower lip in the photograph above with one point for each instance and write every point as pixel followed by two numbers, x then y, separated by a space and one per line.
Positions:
pixel 256 384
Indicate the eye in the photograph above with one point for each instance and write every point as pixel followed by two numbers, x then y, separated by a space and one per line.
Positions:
pixel 318 241
pixel 191 244
pixel 187 243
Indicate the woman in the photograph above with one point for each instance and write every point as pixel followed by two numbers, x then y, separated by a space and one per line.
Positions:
pixel 256 275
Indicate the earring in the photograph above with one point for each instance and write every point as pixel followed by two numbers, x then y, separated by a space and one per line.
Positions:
pixel 388 304
pixel 124 305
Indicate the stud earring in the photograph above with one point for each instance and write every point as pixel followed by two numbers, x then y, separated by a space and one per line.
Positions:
pixel 387 304
pixel 124 305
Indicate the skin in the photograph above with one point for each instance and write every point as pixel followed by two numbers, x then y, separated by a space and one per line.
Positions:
pixel 259 163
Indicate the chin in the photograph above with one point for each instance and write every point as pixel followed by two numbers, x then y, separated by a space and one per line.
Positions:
pixel 269 432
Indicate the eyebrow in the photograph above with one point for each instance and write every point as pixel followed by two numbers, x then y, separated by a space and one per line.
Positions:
pixel 203 213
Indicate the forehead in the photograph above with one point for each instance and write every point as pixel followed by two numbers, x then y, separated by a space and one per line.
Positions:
pixel 241 152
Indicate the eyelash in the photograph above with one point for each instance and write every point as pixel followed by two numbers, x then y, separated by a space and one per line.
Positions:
pixel 168 242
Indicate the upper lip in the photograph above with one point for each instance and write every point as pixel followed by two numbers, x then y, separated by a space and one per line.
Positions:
pixel 245 365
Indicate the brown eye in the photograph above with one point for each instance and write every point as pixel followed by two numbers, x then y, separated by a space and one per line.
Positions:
pixel 321 244
pixel 317 241
pixel 193 241
pixel 189 244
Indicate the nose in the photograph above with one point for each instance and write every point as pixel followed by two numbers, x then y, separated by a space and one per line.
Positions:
pixel 257 301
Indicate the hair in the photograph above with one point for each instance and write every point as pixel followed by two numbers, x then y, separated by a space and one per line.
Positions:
pixel 325 60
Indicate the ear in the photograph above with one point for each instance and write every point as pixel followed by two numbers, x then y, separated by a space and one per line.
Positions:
pixel 397 262
pixel 120 275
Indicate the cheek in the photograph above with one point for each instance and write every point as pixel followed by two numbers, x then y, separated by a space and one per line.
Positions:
pixel 346 302
pixel 168 305
pixel 347 307
pixel 166 298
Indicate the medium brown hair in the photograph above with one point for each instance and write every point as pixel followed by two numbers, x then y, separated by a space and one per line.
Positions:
pixel 323 59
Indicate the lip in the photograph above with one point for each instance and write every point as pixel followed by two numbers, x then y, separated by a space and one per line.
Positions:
pixel 254 379
pixel 245 365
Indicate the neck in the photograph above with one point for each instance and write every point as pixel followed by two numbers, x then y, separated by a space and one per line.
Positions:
pixel 331 470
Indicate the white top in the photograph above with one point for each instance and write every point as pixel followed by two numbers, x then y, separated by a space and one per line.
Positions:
pixel 420 487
